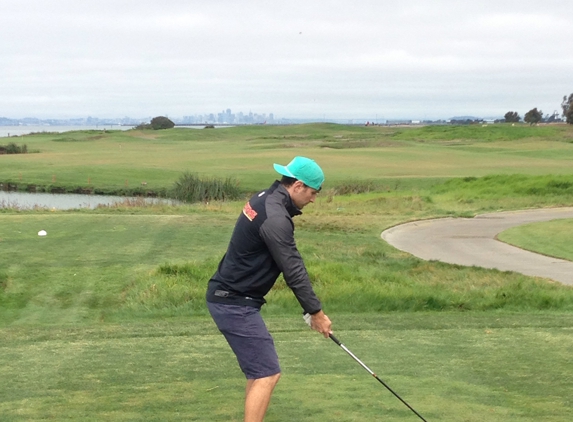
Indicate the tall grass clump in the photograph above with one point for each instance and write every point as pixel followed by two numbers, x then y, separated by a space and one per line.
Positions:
pixel 12 148
pixel 355 187
pixel 501 186
pixel 371 282
pixel 420 286
pixel 507 191
pixel 172 289
pixel 191 188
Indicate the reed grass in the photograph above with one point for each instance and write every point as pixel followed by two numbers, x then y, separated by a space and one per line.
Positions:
pixel 192 188
pixel 13 148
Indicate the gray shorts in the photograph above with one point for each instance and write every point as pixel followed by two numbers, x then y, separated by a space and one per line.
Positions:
pixel 247 334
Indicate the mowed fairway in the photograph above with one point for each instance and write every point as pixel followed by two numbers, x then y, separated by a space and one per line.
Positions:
pixel 88 265
pixel 553 238
pixel 104 318
pixel 477 367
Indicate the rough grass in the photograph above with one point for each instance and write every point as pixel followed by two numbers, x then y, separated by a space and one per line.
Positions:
pixel 486 133
pixel 499 192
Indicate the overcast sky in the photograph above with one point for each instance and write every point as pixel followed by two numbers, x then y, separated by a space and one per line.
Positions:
pixel 321 59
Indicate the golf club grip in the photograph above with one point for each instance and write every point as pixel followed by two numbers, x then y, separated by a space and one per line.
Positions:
pixel 334 339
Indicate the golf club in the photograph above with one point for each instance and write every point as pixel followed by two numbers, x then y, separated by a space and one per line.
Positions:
pixel 375 376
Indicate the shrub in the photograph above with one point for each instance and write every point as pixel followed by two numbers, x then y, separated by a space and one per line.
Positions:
pixel 157 123
pixel 12 148
pixel 161 122
pixel 191 188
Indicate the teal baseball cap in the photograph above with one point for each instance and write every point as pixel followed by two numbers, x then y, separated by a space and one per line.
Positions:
pixel 303 169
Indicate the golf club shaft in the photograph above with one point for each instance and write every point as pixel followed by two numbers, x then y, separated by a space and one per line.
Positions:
pixel 374 375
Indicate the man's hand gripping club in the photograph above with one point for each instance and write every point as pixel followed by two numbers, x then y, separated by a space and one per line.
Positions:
pixel 319 322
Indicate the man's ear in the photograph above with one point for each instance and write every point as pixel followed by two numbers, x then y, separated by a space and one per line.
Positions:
pixel 298 185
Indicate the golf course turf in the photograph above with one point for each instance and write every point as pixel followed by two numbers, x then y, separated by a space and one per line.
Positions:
pixel 104 317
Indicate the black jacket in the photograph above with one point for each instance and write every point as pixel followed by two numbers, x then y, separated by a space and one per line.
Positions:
pixel 261 247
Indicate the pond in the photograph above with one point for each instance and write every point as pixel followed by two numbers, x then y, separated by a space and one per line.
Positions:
pixel 23 200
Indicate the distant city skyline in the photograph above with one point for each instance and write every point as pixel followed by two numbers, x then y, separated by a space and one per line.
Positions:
pixel 225 117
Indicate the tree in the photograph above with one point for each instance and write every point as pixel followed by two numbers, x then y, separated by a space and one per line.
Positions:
pixel 533 116
pixel 567 106
pixel 512 117
pixel 161 122
pixel 569 116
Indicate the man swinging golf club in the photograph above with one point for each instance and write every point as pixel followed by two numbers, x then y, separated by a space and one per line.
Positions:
pixel 262 246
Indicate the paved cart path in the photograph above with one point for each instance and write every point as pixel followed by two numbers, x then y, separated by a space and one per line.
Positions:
pixel 471 241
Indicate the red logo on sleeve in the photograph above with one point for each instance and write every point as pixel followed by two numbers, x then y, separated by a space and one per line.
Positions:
pixel 249 212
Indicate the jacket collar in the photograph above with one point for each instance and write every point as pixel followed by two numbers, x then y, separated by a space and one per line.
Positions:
pixel 291 208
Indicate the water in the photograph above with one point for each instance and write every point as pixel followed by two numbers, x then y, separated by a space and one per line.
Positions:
pixel 202 126
pixel 23 200
pixel 6 131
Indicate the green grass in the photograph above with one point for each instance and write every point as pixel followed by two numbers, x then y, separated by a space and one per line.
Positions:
pixel 87 265
pixel 551 238
pixel 104 318
pixel 116 160
pixel 497 192
pixel 484 133
pixel 479 367
pixel 109 267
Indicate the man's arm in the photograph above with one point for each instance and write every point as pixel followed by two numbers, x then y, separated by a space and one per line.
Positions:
pixel 278 234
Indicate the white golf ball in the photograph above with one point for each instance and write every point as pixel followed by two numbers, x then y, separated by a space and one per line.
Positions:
pixel 42 233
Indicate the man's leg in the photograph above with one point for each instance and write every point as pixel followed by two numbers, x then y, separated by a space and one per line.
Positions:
pixel 258 396
pixel 254 348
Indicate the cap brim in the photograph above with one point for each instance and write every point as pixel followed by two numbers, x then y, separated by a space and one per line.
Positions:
pixel 283 170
